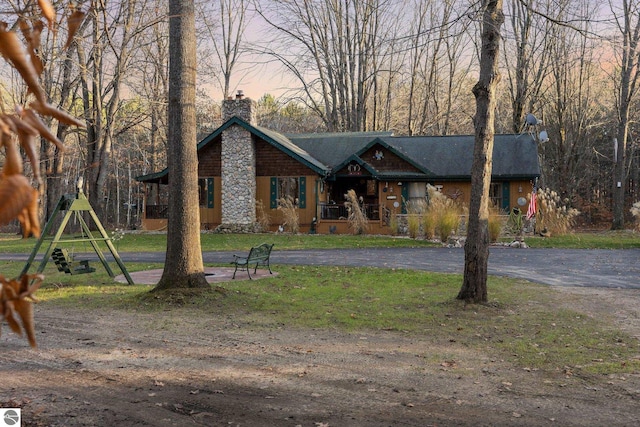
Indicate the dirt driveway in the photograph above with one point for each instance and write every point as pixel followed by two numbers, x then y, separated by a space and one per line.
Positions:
pixel 98 368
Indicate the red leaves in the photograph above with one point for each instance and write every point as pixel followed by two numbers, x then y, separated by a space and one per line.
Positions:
pixel 73 23
pixel 13 51
pixel 16 297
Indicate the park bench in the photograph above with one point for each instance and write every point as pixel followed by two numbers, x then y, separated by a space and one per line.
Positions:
pixel 258 255
pixel 65 263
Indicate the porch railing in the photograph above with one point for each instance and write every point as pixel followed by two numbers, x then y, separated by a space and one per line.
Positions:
pixel 340 212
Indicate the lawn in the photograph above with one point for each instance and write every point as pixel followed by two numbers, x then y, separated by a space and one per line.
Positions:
pixel 154 242
pixel 523 322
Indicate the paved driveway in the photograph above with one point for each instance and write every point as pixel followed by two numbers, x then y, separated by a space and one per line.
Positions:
pixel 556 267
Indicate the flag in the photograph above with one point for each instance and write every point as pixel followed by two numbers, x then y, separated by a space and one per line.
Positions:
pixel 532 204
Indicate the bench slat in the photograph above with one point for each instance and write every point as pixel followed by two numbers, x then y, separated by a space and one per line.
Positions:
pixel 258 255
pixel 65 263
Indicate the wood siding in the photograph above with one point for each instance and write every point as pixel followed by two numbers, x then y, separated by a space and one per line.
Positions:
pixel 390 162
pixel 270 161
pixel 209 163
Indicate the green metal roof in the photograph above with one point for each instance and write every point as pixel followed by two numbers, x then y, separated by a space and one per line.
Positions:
pixel 514 156
pixel 333 149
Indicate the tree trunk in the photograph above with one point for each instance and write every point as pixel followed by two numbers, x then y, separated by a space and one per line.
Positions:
pixel 476 249
pixel 183 266
pixel 620 149
pixel 629 25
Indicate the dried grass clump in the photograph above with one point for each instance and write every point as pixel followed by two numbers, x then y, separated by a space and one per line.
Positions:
pixel 357 219
pixel 262 217
pixel 291 219
pixel 635 211
pixel 442 216
pixel 415 212
pixel 495 223
pixel 553 217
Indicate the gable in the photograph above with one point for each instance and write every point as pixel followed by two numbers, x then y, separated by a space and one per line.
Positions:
pixel 383 159
pixel 353 168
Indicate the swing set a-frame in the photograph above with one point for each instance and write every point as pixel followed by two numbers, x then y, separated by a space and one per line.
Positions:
pixel 74 205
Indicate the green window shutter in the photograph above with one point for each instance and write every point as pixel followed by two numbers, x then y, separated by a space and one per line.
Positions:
pixel 302 199
pixel 273 202
pixel 506 196
pixel 210 193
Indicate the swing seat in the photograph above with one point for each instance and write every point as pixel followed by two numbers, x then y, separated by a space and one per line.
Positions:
pixel 65 263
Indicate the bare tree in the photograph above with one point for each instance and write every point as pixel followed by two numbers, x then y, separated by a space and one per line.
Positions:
pixel 438 37
pixel 106 56
pixel 476 249
pixel 329 46
pixel 183 266
pixel 572 103
pixel 225 28
pixel 526 56
pixel 627 19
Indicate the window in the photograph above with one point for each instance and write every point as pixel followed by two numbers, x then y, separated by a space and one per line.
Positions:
pixel 288 186
pixel 495 194
pixel 417 190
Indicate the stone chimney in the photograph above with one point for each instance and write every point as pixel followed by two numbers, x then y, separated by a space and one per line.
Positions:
pixel 238 167
pixel 241 107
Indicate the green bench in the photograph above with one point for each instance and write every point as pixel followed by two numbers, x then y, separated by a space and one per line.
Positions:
pixel 65 263
pixel 258 255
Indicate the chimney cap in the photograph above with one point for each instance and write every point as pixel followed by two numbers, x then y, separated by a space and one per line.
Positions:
pixel 239 94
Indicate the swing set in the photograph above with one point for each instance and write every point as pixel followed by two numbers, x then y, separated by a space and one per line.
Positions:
pixel 74 205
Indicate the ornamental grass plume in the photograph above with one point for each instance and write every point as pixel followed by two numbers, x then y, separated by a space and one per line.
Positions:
pixel 291 220
pixel 357 218
pixel 495 223
pixel 415 211
pixel 442 217
pixel 554 217
pixel 263 218
pixel 635 211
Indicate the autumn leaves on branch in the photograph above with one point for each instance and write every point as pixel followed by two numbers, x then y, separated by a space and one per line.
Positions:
pixel 23 125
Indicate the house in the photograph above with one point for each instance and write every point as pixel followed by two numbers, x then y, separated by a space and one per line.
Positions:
pixel 242 165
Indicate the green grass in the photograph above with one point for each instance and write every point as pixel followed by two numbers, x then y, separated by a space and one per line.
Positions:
pixel 595 240
pixel 138 242
pixel 523 322
pixel 150 242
